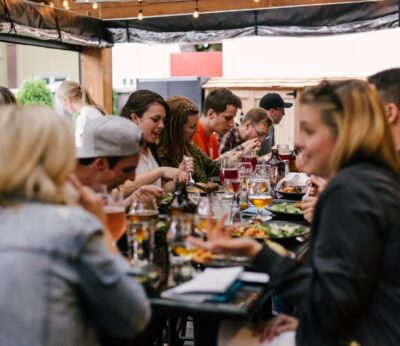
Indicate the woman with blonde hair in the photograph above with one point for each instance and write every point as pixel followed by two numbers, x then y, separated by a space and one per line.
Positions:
pixel 350 288
pixel 59 274
pixel 6 96
pixel 176 139
pixel 76 99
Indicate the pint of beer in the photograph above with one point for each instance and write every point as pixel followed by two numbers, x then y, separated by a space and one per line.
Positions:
pixel 116 220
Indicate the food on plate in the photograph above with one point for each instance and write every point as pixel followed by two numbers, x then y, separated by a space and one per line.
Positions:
pixel 272 230
pixel 293 189
pixel 202 256
pixel 288 208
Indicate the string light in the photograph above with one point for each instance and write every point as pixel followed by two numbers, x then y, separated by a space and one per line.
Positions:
pixel 140 14
pixel 95 6
pixel 196 11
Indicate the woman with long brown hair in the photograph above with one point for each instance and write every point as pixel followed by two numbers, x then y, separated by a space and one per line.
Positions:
pixel 175 142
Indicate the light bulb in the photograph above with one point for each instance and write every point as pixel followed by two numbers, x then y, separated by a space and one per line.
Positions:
pixel 140 15
pixel 65 3
pixel 95 6
pixel 196 13
pixel 256 0
pixel 51 4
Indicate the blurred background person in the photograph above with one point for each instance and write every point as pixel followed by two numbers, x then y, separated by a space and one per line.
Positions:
pixel 350 281
pixel 387 83
pixel 148 110
pixel 76 100
pixel 6 96
pixel 275 107
pixel 176 140
pixel 65 279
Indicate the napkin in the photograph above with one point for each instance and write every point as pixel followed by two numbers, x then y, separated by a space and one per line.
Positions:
pixel 207 285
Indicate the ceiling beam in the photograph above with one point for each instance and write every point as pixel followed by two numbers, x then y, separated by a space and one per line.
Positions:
pixel 154 8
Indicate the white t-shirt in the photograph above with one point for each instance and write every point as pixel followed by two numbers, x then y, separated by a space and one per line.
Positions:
pixel 146 164
pixel 87 113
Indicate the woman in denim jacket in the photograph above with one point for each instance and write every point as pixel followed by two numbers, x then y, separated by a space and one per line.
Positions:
pixel 60 280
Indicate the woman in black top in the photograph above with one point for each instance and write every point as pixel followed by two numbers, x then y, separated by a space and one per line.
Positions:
pixel 350 289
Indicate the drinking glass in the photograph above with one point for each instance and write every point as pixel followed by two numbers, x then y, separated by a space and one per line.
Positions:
pixel 260 194
pixel 114 209
pixel 284 155
pixel 229 169
pixel 143 217
pixel 216 206
pixel 251 157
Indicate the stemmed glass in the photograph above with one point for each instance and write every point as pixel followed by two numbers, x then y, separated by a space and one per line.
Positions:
pixel 260 195
pixel 143 217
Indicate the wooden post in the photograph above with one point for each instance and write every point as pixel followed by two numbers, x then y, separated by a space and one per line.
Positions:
pixel 96 75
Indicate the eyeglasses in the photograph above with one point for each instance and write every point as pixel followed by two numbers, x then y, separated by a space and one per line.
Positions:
pixel 259 133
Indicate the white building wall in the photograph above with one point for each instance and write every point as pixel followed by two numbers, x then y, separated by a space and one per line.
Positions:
pixel 134 60
pixel 351 55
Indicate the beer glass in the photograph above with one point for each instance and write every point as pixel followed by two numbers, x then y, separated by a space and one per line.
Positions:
pixel 143 217
pixel 260 195
pixel 114 209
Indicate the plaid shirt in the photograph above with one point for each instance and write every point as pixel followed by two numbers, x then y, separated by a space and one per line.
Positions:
pixel 230 140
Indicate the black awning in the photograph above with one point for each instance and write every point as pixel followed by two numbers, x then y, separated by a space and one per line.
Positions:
pixel 34 21
pixel 293 21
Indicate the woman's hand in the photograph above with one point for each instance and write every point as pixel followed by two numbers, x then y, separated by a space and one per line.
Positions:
pixel 94 205
pixel 308 206
pixel 187 165
pixel 220 241
pixel 88 199
pixel 276 326
pixel 143 192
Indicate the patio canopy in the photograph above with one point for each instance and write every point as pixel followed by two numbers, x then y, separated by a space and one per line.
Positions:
pixel 41 23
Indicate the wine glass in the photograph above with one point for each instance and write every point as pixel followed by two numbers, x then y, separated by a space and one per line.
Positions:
pixel 143 217
pixel 260 195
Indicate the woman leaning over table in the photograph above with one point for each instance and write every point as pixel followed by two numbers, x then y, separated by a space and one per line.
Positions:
pixel 149 111
pixel 60 280
pixel 350 289
pixel 175 142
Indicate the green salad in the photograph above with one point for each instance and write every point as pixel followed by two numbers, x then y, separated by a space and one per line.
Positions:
pixel 275 230
pixel 285 207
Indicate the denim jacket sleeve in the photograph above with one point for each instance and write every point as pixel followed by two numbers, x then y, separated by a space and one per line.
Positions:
pixel 117 302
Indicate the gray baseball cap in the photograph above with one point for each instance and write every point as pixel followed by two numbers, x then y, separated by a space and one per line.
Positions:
pixel 110 136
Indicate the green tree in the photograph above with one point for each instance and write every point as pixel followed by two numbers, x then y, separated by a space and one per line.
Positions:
pixel 35 91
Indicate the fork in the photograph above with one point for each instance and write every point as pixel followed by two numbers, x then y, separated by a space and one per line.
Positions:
pixel 191 180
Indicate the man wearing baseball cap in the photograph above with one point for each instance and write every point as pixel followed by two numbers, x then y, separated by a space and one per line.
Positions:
pixel 275 107
pixel 109 153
